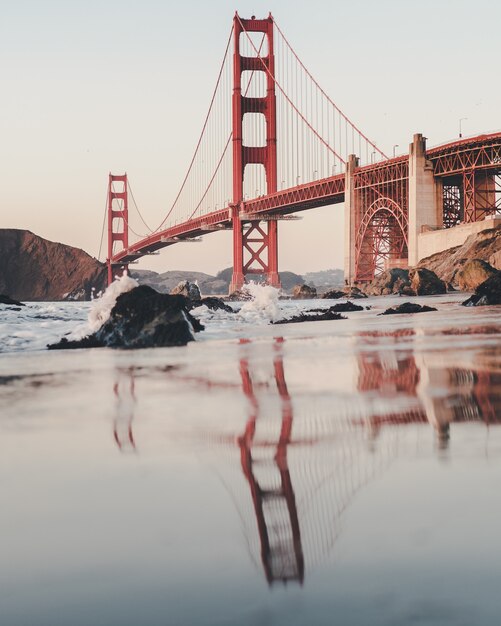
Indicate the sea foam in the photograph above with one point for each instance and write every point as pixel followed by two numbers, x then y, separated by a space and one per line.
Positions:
pixel 101 307
pixel 264 303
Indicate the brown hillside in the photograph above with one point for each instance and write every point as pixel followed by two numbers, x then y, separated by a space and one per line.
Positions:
pixel 485 246
pixel 33 268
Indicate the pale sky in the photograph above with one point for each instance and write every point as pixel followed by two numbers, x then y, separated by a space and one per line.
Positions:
pixel 106 85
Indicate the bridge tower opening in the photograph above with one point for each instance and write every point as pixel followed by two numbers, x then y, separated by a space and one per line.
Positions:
pixel 255 242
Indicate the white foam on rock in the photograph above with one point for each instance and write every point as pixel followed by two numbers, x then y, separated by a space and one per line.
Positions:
pixel 264 303
pixel 100 308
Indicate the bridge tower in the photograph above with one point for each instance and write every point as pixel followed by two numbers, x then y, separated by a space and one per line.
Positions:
pixel 118 218
pixel 255 249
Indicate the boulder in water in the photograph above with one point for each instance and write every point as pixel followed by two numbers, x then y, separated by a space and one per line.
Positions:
pixel 239 295
pixel 408 307
pixel 388 282
pixel 354 293
pixel 303 292
pixel 424 282
pixel 10 301
pixel 215 304
pixel 327 314
pixel 142 318
pixel 473 274
pixel 346 307
pixel 333 294
pixel 488 293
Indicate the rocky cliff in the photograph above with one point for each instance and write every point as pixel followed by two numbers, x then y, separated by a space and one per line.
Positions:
pixel 485 246
pixel 33 268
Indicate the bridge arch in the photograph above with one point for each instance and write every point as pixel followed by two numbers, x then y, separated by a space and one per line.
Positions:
pixel 382 235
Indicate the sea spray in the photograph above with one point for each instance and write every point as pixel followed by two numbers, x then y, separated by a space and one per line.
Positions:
pixel 264 303
pixel 101 307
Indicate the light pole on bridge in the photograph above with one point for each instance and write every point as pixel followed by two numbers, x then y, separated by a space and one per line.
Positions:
pixel 395 146
pixel 461 119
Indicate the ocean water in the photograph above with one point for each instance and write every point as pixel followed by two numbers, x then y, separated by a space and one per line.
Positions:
pixel 339 472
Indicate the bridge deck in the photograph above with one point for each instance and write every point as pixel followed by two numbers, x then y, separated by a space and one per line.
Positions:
pixel 448 159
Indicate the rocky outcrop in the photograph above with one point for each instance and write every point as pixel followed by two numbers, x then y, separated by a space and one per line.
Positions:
pixel 424 282
pixel 473 274
pixel 142 318
pixel 33 268
pixel 10 301
pixel 239 296
pixel 407 307
pixel 488 293
pixel 388 282
pixel 188 290
pixel 304 292
pixel 485 246
pixel 354 293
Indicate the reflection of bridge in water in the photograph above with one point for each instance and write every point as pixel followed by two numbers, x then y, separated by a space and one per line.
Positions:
pixel 304 466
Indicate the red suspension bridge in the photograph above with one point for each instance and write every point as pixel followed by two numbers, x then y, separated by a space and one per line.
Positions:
pixel 273 143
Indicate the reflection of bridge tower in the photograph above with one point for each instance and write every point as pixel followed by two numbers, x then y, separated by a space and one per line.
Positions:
pixel 272 492
pixel 125 398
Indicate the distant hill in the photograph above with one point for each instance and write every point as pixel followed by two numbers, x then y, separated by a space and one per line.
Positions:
pixel 325 278
pixel 166 281
pixel 209 285
pixel 33 268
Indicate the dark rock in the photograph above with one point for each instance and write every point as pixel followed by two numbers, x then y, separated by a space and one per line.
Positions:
pixel 328 314
pixel 388 282
pixel 424 282
pixel 8 300
pixel 488 293
pixel 238 296
pixel 345 307
pixel 354 293
pixel 408 307
pixel 188 290
pixel 215 304
pixel 333 294
pixel 304 292
pixel 341 307
pixel 71 344
pixel 142 318
pixel 474 273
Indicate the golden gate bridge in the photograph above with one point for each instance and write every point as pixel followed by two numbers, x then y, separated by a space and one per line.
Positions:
pixel 273 144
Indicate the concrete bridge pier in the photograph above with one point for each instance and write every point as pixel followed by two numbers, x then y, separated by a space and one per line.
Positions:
pixel 349 220
pixel 425 196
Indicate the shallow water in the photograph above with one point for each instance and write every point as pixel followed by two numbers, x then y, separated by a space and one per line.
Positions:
pixel 330 472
